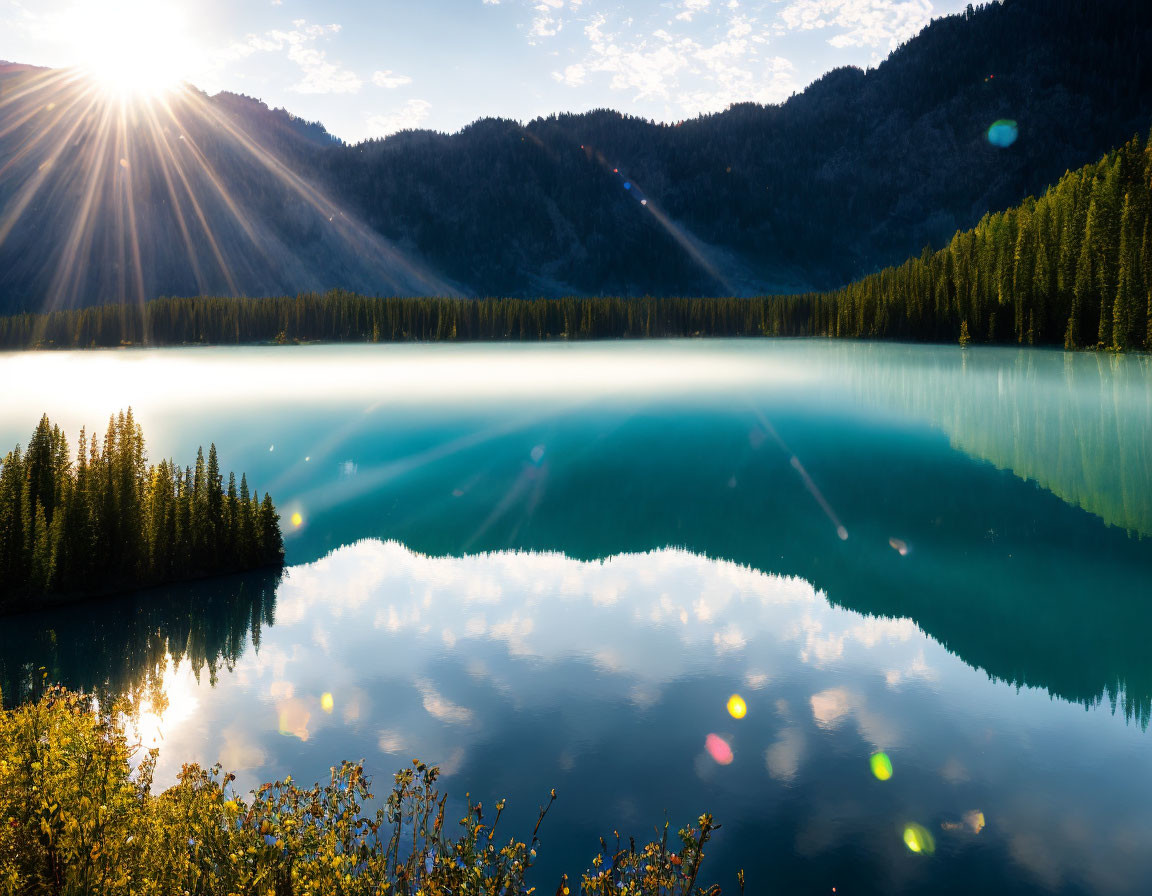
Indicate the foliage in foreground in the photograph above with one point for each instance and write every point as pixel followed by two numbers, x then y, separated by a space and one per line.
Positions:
pixel 78 815
pixel 111 521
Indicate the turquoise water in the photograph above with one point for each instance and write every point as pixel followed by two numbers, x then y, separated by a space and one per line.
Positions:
pixel 551 565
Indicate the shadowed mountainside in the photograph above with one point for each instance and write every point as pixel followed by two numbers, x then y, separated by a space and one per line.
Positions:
pixel 111 199
pixel 860 170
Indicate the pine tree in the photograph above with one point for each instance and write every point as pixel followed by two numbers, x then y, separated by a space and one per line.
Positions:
pixel 246 542
pixel 271 541
pixel 231 521
pixel 43 556
pixel 214 503
pixel 1123 308
pixel 111 521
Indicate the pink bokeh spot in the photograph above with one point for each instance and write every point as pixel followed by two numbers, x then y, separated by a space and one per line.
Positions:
pixel 718 749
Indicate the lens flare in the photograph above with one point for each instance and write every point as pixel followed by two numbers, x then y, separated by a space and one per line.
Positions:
pixel 919 839
pixel 881 766
pixel 719 749
pixel 292 718
pixel 1003 133
pixel 899 545
pixel 973 822
pixel 737 708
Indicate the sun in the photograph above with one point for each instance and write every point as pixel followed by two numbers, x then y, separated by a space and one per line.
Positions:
pixel 133 47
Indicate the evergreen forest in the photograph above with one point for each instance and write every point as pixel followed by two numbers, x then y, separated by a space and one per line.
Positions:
pixel 1072 268
pixel 109 521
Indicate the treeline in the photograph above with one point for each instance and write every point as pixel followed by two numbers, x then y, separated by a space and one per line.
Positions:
pixel 1073 268
pixel 110 521
pixel 340 316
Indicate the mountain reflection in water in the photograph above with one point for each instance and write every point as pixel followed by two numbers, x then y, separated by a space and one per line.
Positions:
pixel 536 630
pixel 609 679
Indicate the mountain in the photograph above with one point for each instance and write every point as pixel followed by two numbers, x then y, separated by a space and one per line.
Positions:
pixel 109 200
pixel 1072 267
pixel 859 171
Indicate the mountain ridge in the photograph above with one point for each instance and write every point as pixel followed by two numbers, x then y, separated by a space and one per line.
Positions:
pixel 858 171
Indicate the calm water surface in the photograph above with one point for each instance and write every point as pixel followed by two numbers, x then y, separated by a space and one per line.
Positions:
pixel 551 565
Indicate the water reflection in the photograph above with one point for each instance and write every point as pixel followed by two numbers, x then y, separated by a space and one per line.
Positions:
pixel 760 452
pixel 611 680
pixel 995 504
pixel 125 647
pixel 1078 424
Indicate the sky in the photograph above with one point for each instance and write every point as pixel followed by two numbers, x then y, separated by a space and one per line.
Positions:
pixel 368 68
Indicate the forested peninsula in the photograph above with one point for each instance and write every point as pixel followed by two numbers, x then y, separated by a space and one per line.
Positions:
pixel 110 522
pixel 1072 268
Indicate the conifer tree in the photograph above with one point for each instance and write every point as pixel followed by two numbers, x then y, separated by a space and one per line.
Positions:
pixel 111 521
pixel 214 502
pixel 1124 306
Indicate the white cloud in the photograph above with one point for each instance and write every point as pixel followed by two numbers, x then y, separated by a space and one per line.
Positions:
pixel 391 742
pixel 441 707
pixel 573 75
pixel 410 115
pixel 389 79
pixel 690 8
pixel 783 758
pixel 320 75
pixel 549 17
pixel 860 23
pixel 690 74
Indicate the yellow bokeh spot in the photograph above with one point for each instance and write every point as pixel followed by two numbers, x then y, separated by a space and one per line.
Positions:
pixel 326 703
pixel 297 519
pixel 919 840
pixel 881 766
pixel 737 708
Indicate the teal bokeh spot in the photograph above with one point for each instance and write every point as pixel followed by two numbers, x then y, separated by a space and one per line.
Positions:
pixel 1003 133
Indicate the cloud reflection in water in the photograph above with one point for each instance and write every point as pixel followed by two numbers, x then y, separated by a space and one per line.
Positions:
pixel 610 679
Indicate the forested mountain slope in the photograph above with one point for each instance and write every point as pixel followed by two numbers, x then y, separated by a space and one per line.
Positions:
pixel 1071 268
pixel 858 171
pixel 223 196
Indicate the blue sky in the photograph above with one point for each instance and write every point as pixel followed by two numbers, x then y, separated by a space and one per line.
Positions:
pixel 367 69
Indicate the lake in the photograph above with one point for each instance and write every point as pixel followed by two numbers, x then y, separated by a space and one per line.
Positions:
pixel 552 565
